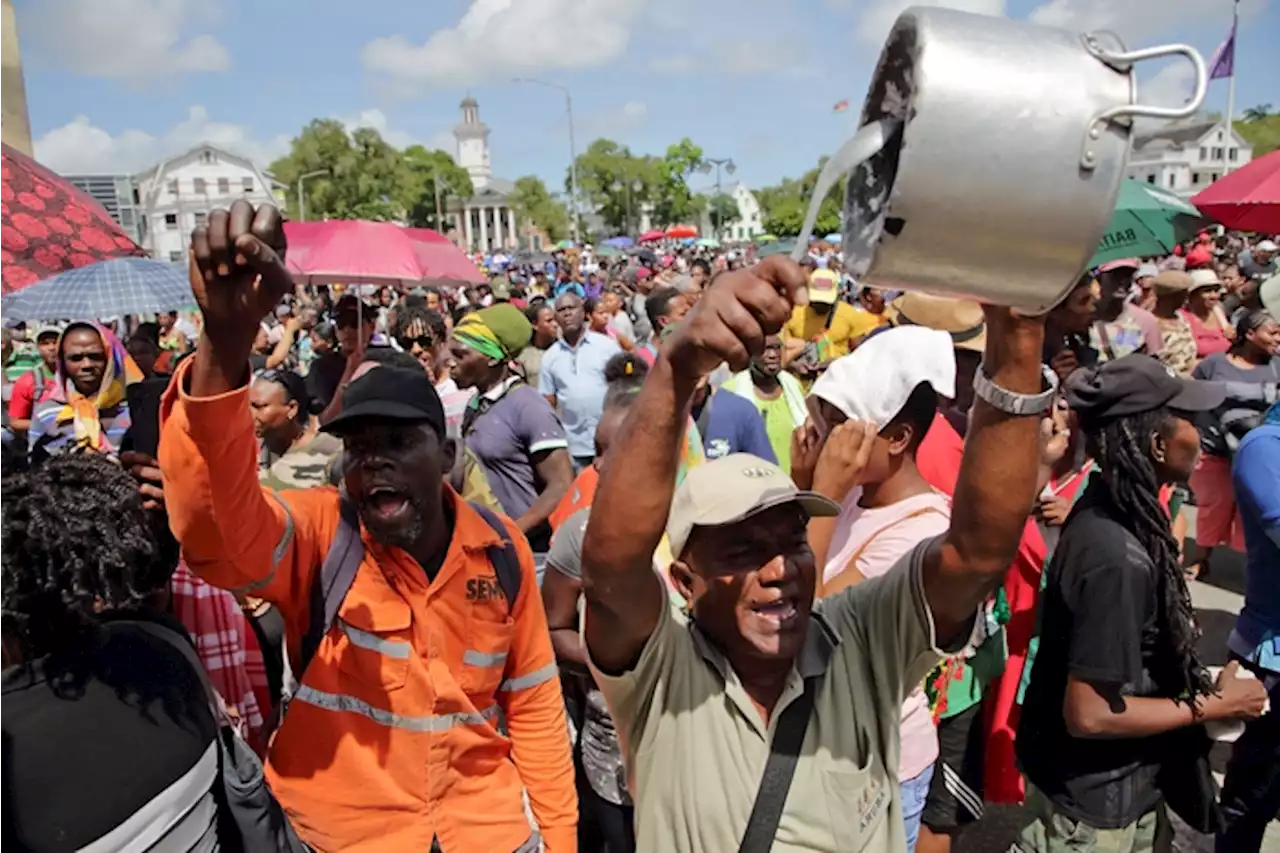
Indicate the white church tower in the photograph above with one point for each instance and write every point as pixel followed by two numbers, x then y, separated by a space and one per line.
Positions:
pixel 473 144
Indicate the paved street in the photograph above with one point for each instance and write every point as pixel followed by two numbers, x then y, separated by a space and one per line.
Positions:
pixel 1217 602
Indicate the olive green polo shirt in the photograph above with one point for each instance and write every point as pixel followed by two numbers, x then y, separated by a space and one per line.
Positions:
pixel 695 746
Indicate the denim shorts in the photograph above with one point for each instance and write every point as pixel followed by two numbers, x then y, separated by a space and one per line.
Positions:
pixel 914 794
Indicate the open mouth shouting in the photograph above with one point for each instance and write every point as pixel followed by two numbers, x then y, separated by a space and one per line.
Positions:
pixel 387 505
pixel 778 614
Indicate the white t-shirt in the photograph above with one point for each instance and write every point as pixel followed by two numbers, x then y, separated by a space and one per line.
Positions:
pixel 876 539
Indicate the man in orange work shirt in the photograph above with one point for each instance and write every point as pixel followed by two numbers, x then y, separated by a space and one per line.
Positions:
pixel 393 740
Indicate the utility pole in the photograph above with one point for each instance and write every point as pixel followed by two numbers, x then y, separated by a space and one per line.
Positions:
pixel 573 151
pixel 435 180
pixel 302 199
pixel 727 163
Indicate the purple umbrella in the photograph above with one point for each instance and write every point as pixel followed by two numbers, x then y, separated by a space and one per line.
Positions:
pixel 620 242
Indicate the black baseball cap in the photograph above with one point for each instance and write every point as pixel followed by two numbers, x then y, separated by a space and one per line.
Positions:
pixel 1135 384
pixel 390 394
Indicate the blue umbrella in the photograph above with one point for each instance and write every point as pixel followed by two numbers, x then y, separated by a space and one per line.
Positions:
pixel 620 242
pixel 833 238
pixel 105 289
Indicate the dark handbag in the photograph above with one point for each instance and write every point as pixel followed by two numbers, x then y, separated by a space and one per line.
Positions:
pixel 779 770
pixel 1186 781
pixel 249 817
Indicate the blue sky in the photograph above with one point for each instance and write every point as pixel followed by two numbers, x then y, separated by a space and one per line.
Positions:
pixel 114 85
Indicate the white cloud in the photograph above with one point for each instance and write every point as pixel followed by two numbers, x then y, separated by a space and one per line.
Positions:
pixel 678 64
pixel 80 146
pixel 756 56
pixel 496 39
pixel 132 40
pixel 878 17
pixel 615 122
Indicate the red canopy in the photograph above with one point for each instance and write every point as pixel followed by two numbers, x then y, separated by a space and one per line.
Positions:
pixel 354 251
pixel 50 226
pixel 1247 199
pixel 650 236
pixel 682 231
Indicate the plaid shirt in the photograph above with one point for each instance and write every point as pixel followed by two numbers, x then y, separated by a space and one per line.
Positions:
pixel 229 649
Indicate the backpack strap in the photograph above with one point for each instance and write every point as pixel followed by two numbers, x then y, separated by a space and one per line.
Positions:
pixel 337 574
pixel 779 769
pixel 506 565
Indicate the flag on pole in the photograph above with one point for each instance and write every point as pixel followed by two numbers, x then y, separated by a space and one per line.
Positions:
pixel 840 106
pixel 1224 59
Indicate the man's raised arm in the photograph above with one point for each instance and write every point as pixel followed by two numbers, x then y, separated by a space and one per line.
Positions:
pixel 638 476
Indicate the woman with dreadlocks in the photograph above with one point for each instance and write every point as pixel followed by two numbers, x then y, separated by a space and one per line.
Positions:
pixel 1117 671
pixel 109 739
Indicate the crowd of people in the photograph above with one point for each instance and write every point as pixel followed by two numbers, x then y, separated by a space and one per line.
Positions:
pixel 687 550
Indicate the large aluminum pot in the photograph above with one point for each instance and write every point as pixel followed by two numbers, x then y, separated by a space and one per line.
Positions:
pixel 1013 144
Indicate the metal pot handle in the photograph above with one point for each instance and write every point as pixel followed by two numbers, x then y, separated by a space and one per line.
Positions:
pixel 1122 61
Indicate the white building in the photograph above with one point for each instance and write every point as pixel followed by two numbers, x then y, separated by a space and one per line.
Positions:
pixel 740 229
pixel 484 222
pixel 1186 158
pixel 177 194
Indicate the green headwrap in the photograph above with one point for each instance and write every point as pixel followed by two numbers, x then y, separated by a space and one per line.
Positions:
pixel 498 332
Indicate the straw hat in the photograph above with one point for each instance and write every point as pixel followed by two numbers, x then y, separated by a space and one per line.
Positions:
pixel 961 318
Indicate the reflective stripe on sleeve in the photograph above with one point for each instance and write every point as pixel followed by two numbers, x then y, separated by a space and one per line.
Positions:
pixel 282 548
pixel 340 702
pixel 471 657
pixel 533 679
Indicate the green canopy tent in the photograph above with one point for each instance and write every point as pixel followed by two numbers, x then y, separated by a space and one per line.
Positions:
pixel 1147 221
pixel 782 247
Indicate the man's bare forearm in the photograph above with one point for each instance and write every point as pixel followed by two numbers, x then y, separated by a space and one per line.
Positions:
pixel 628 518
pixel 997 482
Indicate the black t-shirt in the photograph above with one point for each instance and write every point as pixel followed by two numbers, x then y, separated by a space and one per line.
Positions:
pixel 1098 623
pixel 323 378
pixel 86 746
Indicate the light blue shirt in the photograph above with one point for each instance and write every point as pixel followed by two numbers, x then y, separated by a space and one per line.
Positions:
pixel 575 376
pixel 1256 475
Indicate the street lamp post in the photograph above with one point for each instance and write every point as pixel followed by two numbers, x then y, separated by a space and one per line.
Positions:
pixel 302 199
pixel 729 167
pixel 618 186
pixel 573 150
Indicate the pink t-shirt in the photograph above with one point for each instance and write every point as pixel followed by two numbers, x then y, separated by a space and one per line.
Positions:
pixel 878 538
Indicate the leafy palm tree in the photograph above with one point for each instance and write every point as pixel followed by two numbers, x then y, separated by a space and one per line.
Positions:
pixel 1257 113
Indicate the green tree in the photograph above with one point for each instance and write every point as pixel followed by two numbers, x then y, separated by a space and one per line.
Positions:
pixel 1257 113
pixel 607 178
pixel 783 207
pixel 673 202
pixel 533 203
pixel 723 209
pixel 364 173
pixel 1262 133
pixel 418 192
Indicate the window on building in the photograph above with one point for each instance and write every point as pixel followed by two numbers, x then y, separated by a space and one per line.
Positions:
pixel 1151 179
pixel 1215 176
pixel 1204 153
pixel 247 183
pixel 1171 181
pixel 1231 154
pixel 173 187
pixel 171 222
pixel 1219 136
pixel 1195 179
pixel 200 187
pixel 1217 153
pixel 175 256
pixel 201 218
pixel 206 157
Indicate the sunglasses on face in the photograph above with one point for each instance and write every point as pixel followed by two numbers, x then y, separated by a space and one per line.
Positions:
pixel 426 342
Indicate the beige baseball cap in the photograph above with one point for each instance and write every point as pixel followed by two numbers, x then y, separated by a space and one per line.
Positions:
pixel 734 488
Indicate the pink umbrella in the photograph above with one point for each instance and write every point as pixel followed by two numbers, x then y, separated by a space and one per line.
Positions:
pixel 650 236
pixel 354 251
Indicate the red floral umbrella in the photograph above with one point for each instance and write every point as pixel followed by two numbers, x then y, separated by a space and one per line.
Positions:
pixel 682 231
pixel 1248 198
pixel 47 226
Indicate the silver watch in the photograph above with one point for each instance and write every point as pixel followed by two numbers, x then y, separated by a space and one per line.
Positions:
pixel 1011 403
